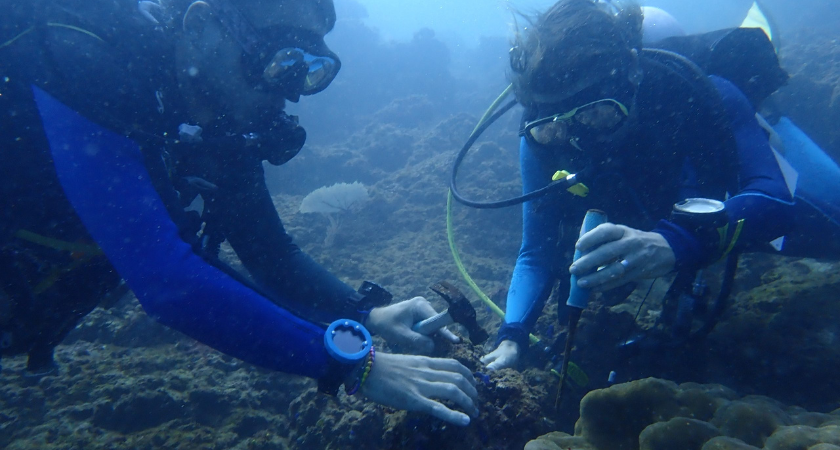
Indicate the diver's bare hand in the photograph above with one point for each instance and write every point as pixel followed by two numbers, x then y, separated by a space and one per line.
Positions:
pixel 625 253
pixel 394 322
pixel 412 383
pixel 505 356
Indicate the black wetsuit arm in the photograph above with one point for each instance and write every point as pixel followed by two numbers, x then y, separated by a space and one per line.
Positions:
pixel 251 224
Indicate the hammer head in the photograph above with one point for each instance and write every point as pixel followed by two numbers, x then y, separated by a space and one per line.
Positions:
pixel 461 310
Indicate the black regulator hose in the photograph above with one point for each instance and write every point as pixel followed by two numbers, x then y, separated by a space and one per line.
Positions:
pixel 722 300
pixel 560 184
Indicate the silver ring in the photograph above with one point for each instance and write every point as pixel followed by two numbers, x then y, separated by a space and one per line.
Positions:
pixel 625 264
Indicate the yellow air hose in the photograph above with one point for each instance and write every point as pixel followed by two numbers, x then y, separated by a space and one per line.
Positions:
pixel 451 236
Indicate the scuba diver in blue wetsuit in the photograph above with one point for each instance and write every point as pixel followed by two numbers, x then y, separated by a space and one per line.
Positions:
pixel 116 115
pixel 665 138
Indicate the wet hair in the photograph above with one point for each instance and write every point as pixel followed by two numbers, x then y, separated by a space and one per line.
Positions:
pixel 572 41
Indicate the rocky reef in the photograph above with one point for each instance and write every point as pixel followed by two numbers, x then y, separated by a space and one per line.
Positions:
pixel 812 58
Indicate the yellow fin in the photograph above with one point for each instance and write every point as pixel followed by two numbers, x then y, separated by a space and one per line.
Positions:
pixel 756 19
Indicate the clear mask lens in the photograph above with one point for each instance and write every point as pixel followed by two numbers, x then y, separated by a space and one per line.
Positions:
pixel 320 70
pixel 601 116
pixel 549 132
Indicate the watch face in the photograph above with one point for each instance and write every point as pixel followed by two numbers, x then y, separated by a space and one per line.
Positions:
pixel 699 214
pixel 699 206
pixel 349 341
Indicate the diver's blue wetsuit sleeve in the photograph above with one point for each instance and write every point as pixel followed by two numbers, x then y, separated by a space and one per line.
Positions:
pixel 537 265
pixel 761 211
pixel 104 178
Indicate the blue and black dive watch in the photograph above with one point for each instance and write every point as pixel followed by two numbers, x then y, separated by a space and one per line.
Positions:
pixel 348 343
pixel 704 218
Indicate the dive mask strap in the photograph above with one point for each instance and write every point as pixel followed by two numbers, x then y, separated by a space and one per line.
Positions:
pixel 238 25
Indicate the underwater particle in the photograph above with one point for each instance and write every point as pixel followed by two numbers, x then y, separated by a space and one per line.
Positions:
pixel 192 71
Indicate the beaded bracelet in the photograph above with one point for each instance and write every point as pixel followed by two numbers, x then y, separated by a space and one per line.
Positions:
pixel 367 367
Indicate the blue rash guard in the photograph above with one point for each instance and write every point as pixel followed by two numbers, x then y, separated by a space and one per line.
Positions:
pixel 760 196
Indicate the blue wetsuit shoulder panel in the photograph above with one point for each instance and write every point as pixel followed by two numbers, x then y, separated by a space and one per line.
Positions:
pixel 764 202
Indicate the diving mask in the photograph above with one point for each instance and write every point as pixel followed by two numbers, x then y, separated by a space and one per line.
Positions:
pixel 600 117
pixel 303 65
pixel 300 70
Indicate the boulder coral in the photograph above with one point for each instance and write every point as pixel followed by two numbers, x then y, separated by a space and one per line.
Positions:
pixel 655 414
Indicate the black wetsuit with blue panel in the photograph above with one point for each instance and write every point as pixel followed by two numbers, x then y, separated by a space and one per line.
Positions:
pixel 692 136
pixel 94 188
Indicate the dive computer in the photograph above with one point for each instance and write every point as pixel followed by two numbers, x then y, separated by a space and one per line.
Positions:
pixel 696 213
pixel 702 217
pixel 348 343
